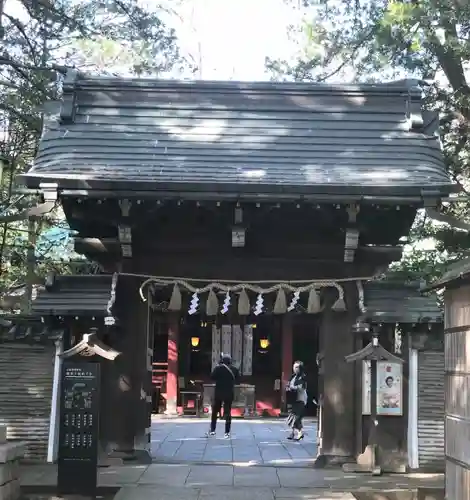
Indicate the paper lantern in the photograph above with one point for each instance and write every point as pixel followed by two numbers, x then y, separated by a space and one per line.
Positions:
pixel 264 343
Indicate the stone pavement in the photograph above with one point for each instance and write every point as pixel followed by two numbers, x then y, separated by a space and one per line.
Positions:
pixel 254 442
pixel 211 482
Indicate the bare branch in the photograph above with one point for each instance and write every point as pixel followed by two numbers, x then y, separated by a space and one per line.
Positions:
pixel 19 25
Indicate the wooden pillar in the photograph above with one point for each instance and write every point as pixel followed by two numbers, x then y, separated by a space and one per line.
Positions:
pixel 287 354
pixel 126 414
pixel 457 391
pixel 120 406
pixel 172 375
pixel 338 419
pixel 142 378
pixel 358 420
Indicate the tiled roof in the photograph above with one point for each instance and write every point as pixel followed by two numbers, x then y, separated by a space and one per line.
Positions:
pixel 390 302
pixel 309 138
pixel 459 270
pixel 91 295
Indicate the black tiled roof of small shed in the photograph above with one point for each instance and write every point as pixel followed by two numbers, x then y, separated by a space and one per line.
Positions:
pixel 28 329
pixel 393 302
pixel 91 295
pixel 244 137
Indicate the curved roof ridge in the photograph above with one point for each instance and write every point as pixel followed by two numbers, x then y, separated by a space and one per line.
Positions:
pixel 80 79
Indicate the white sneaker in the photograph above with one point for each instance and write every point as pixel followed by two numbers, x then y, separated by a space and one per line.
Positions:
pixel 210 433
pixel 227 435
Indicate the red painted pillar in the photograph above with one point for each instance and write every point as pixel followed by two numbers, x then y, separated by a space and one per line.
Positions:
pixel 172 375
pixel 287 354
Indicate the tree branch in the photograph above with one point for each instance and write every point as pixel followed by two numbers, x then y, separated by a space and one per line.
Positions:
pixel 22 30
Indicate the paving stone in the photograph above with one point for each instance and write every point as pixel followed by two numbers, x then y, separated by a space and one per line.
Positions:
pixel 165 474
pixel 296 483
pixel 160 493
pixel 301 478
pixel 191 458
pixel 310 448
pixel 236 493
pixel 252 441
pixel 208 475
pixel 118 475
pixel 256 476
pixel 168 449
pixel 275 457
pixel 226 458
pixel 310 494
pixel 188 453
pixel 10 491
pixel 297 451
pixel 247 458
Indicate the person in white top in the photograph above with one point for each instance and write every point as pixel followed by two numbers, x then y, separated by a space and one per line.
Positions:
pixel 389 394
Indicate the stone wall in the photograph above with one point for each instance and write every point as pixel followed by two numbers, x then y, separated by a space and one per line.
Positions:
pixel 10 454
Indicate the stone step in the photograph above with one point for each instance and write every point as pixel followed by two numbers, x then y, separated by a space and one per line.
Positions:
pixel 8 472
pixel 11 450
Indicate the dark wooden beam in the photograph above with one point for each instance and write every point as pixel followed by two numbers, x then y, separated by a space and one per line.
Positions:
pixel 205 248
pixel 149 214
pixel 249 269
pixel 385 253
pixel 377 225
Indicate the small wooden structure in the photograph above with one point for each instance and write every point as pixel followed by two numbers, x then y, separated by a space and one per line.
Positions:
pixel 456 283
pixel 234 217
pixel 27 366
pixel 373 352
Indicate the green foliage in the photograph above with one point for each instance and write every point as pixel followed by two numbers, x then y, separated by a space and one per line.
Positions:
pixel 38 40
pixel 369 40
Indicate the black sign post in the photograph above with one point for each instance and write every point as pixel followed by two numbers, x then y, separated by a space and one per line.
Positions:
pixel 79 428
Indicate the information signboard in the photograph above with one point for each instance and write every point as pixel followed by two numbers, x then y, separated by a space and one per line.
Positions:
pixel 79 428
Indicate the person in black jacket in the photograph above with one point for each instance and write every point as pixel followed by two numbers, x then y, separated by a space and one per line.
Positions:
pixel 225 376
pixel 297 398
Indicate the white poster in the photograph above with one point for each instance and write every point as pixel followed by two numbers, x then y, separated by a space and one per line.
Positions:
pixel 247 350
pixel 237 339
pixel 227 339
pixel 215 346
pixel 389 389
pixel 366 386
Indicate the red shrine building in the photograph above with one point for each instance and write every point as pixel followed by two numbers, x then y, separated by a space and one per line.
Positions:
pixel 241 218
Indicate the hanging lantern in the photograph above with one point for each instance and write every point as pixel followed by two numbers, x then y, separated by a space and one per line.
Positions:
pixel 194 341
pixel 264 343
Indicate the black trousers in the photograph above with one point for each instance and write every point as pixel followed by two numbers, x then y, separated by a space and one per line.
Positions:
pixel 226 403
pixel 296 415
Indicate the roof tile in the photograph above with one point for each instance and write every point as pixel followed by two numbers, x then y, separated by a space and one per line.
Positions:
pixel 239 134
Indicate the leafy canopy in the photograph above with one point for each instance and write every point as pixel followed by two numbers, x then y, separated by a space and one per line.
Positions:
pixel 39 38
pixel 372 40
